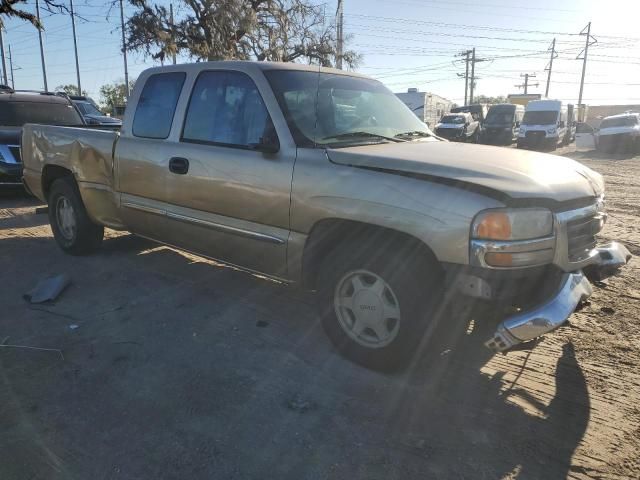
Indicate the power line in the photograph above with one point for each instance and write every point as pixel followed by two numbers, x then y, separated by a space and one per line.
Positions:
pixel 481 27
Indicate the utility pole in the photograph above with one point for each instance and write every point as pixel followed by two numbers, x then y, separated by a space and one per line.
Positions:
pixel 173 31
pixel 339 34
pixel 4 63
pixel 473 75
pixel 472 85
pixel 587 44
pixel 553 55
pixel 525 85
pixel 124 51
pixel 13 84
pixel 44 66
pixel 75 46
pixel 466 60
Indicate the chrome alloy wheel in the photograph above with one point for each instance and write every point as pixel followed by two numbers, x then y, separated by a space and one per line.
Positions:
pixel 367 309
pixel 66 218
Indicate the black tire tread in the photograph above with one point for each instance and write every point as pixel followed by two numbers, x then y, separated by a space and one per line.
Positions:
pixel 89 235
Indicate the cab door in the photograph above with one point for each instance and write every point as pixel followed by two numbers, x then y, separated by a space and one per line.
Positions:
pixel 585 137
pixel 141 153
pixel 228 197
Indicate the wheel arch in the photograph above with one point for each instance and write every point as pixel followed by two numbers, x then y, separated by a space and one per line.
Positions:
pixel 328 234
pixel 51 173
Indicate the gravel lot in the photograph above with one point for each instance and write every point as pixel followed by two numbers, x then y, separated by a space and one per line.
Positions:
pixel 181 368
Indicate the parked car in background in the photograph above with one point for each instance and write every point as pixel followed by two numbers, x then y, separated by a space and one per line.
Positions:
pixel 20 107
pixel 92 115
pixel 324 178
pixel 619 133
pixel 478 111
pixel 502 124
pixel 546 125
pixel 459 127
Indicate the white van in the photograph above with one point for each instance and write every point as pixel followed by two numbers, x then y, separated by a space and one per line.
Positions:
pixel 546 124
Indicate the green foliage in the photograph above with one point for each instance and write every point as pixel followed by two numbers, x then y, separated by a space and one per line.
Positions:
pixel 489 100
pixel 8 8
pixel 114 94
pixel 274 30
pixel 70 89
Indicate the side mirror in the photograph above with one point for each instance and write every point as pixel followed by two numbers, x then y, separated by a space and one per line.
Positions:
pixel 268 142
pixel 561 124
pixel 517 124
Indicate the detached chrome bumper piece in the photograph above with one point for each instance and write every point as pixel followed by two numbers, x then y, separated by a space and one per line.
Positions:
pixel 575 288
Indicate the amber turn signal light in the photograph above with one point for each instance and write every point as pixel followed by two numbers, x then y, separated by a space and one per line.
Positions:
pixel 494 226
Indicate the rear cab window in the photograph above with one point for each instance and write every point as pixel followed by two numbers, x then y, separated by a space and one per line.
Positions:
pixel 157 105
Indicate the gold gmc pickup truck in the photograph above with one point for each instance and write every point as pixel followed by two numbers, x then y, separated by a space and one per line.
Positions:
pixel 325 179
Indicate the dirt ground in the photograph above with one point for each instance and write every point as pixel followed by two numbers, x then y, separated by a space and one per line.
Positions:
pixel 173 367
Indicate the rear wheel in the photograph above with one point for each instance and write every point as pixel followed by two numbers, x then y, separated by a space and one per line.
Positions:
pixel 72 228
pixel 376 306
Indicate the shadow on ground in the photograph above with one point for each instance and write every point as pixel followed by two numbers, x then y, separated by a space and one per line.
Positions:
pixel 181 369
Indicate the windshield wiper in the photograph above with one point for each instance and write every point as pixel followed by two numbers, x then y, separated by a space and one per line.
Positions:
pixel 348 135
pixel 414 133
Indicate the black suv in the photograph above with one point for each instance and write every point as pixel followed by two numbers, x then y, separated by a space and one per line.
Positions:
pixel 20 107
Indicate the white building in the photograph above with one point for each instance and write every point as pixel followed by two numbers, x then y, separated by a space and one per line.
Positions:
pixel 428 107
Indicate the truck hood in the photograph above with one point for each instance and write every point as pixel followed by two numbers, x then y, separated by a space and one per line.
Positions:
pixel 500 172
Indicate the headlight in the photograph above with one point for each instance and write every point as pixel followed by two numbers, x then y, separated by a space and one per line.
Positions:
pixel 512 224
pixel 551 131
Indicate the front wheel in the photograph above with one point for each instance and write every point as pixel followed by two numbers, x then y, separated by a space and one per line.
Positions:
pixel 72 228
pixel 376 307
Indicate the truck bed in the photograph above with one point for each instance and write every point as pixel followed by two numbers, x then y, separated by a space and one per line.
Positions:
pixel 88 153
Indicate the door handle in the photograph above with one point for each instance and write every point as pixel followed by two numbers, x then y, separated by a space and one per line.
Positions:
pixel 178 165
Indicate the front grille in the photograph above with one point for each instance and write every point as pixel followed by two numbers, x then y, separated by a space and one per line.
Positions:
pixel 15 151
pixel 581 236
pixel 447 132
pixel 535 135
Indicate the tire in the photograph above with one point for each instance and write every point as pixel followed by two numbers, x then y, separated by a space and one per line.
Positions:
pixel 352 302
pixel 72 228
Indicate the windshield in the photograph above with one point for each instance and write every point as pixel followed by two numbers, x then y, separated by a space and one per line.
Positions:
pixel 543 117
pixel 457 119
pixel 16 114
pixel 346 107
pixel 500 115
pixel 88 109
pixel 619 122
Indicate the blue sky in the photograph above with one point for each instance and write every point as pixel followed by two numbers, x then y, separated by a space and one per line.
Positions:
pixel 405 43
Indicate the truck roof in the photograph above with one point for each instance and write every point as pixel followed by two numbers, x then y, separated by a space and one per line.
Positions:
pixel 623 115
pixel 34 97
pixel 248 65
pixel 539 105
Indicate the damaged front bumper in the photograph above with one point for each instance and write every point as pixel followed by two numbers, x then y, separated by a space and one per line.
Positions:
pixel 574 288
